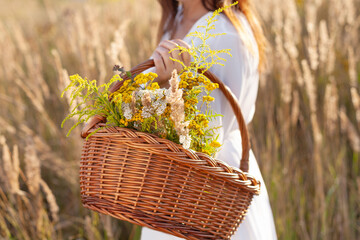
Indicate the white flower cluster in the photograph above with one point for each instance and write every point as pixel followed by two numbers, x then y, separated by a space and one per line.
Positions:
pixel 153 102
pixel 126 108
pixel 147 112
pixel 185 140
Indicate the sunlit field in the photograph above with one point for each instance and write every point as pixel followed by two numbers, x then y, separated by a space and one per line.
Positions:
pixel 305 132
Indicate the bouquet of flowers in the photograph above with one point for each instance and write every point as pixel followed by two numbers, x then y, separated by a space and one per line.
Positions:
pixel 180 113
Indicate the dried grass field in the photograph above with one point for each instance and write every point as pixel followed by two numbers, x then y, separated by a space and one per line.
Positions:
pixel 305 133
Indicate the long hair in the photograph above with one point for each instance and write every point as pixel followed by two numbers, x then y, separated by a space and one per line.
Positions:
pixel 170 7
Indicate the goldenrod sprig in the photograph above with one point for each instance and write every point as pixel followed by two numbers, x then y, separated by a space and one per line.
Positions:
pixel 203 56
pixel 92 100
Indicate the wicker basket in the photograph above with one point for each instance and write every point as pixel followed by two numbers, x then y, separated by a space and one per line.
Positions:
pixel 153 182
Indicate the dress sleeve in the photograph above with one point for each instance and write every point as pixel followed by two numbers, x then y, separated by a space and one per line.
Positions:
pixel 239 72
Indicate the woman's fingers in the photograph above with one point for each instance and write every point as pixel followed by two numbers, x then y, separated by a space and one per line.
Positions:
pixel 186 58
pixel 171 44
pixel 163 64
pixel 164 53
pixel 181 43
pixel 173 53
pixel 168 44
pixel 160 66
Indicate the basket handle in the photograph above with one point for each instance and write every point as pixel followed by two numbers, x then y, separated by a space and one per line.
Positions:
pixel 244 166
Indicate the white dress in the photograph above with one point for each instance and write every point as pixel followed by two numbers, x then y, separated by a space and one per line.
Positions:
pixel 240 74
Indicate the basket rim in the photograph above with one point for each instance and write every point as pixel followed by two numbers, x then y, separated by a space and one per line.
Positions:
pixel 198 160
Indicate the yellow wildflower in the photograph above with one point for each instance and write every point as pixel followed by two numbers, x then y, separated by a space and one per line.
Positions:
pixel 183 84
pixel 192 101
pixel 200 117
pixel 126 82
pixel 123 122
pixel 167 112
pixel 153 86
pixel 193 125
pixel 196 91
pixel 208 99
pixel 211 86
pixel 183 76
pixel 192 83
pixel 205 123
pixel 127 96
pixel 140 79
pixel 117 98
pixel 215 144
pixel 125 86
pixel 206 151
pixel 201 79
pixel 152 75
pixel 138 117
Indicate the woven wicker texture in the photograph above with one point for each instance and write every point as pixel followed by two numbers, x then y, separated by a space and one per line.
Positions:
pixel 153 182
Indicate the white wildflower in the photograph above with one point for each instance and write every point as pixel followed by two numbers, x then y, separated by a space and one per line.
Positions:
pixel 160 93
pixel 147 112
pixel 139 94
pixel 186 124
pixel 161 107
pixel 185 140
pixel 126 108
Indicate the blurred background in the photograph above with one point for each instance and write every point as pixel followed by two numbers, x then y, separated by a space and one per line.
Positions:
pixel 305 133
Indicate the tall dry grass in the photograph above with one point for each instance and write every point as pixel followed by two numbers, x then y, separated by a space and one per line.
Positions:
pixel 305 132
pixel 306 127
pixel 41 46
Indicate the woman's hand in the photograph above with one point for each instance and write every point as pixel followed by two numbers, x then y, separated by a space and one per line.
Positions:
pixel 164 65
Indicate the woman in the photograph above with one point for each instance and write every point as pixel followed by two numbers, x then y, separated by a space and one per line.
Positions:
pixel 241 74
